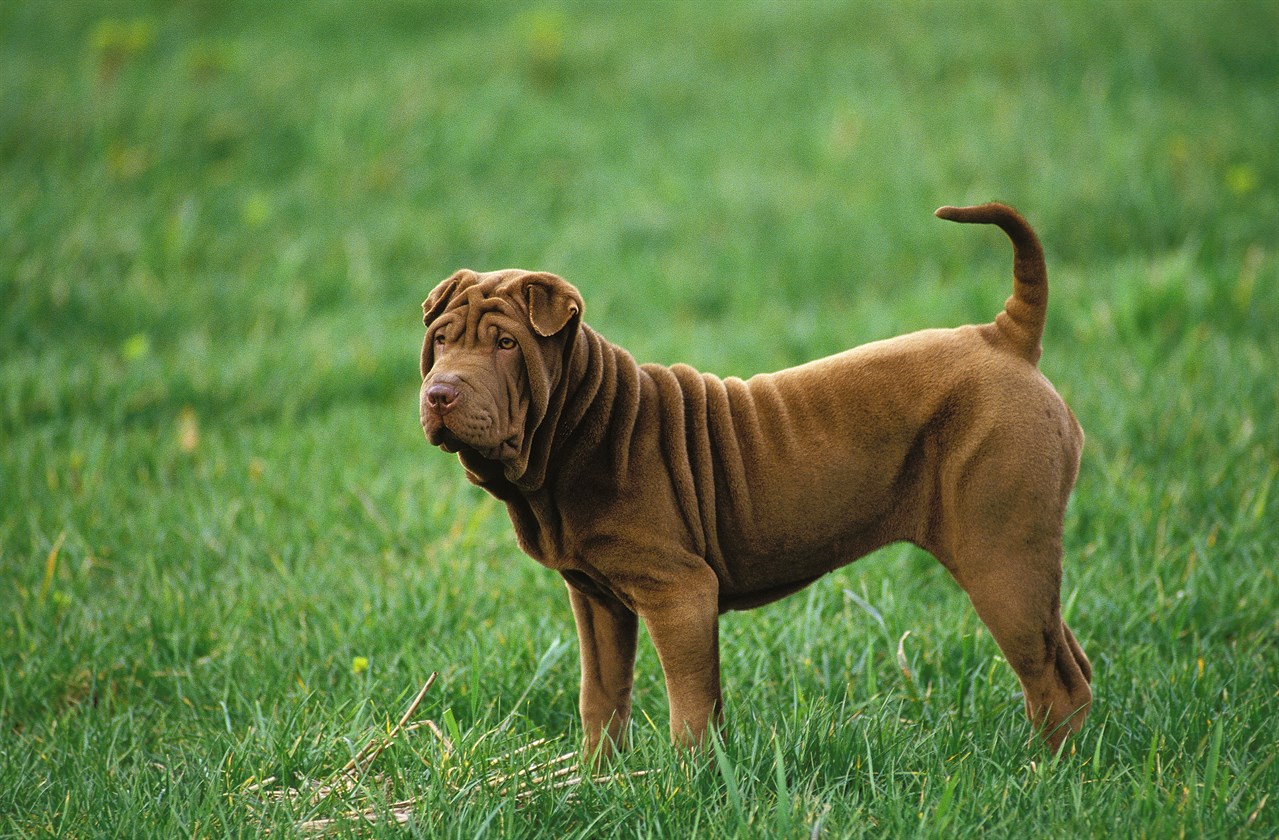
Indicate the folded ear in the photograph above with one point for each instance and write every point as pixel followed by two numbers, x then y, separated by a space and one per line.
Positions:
pixel 552 303
pixel 440 296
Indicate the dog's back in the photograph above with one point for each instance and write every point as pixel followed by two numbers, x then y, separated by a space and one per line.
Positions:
pixel 803 470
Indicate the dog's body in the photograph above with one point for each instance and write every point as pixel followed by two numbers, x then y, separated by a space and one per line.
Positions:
pixel 670 495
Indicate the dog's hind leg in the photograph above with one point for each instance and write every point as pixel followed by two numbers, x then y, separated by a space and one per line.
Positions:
pixel 1002 503
pixel 1017 595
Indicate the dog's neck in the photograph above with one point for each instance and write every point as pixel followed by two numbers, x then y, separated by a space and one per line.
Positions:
pixel 575 447
pixel 603 394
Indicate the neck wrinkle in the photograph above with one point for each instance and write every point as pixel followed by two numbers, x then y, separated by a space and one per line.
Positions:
pixel 580 444
pixel 600 413
pixel 573 397
pixel 602 398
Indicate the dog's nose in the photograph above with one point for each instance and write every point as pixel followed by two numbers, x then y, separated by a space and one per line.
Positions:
pixel 442 397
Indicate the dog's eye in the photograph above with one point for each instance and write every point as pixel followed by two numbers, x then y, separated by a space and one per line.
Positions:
pixel 506 343
pixel 439 339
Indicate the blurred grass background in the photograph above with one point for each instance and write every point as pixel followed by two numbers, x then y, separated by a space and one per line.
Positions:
pixel 218 220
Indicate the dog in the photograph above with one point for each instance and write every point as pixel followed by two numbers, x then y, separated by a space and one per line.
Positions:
pixel 668 495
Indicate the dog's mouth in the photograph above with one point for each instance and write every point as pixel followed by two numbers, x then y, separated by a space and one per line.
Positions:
pixel 438 434
pixel 445 439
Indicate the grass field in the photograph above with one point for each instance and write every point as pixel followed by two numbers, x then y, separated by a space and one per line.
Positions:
pixel 228 556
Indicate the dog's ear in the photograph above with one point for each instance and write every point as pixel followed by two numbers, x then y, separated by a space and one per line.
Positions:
pixel 552 303
pixel 440 296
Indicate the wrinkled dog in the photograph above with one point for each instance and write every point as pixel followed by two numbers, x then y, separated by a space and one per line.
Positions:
pixel 669 495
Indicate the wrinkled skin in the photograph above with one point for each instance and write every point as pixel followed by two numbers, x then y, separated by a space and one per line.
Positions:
pixel 665 495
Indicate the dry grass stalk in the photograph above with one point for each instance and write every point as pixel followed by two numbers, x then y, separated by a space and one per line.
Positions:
pixel 367 755
pixel 444 739
pixel 525 784
pixel 497 781
pixel 528 793
pixel 352 774
pixel 497 759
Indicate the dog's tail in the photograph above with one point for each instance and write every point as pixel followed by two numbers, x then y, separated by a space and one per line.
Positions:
pixel 1022 321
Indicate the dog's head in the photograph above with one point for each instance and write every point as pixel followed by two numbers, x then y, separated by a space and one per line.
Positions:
pixel 495 352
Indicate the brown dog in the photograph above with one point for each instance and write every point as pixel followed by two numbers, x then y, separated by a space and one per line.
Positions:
pixel 670 495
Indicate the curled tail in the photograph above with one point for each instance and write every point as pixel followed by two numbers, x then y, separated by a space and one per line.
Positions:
pixel 1022 321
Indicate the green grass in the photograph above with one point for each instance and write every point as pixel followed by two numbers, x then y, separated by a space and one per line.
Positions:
pixel 218 222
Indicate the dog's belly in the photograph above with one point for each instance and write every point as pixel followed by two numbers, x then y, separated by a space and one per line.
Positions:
pixel 771 558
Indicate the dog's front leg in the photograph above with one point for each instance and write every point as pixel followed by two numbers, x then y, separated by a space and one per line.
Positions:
pixel 683 621
pixel 606 632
